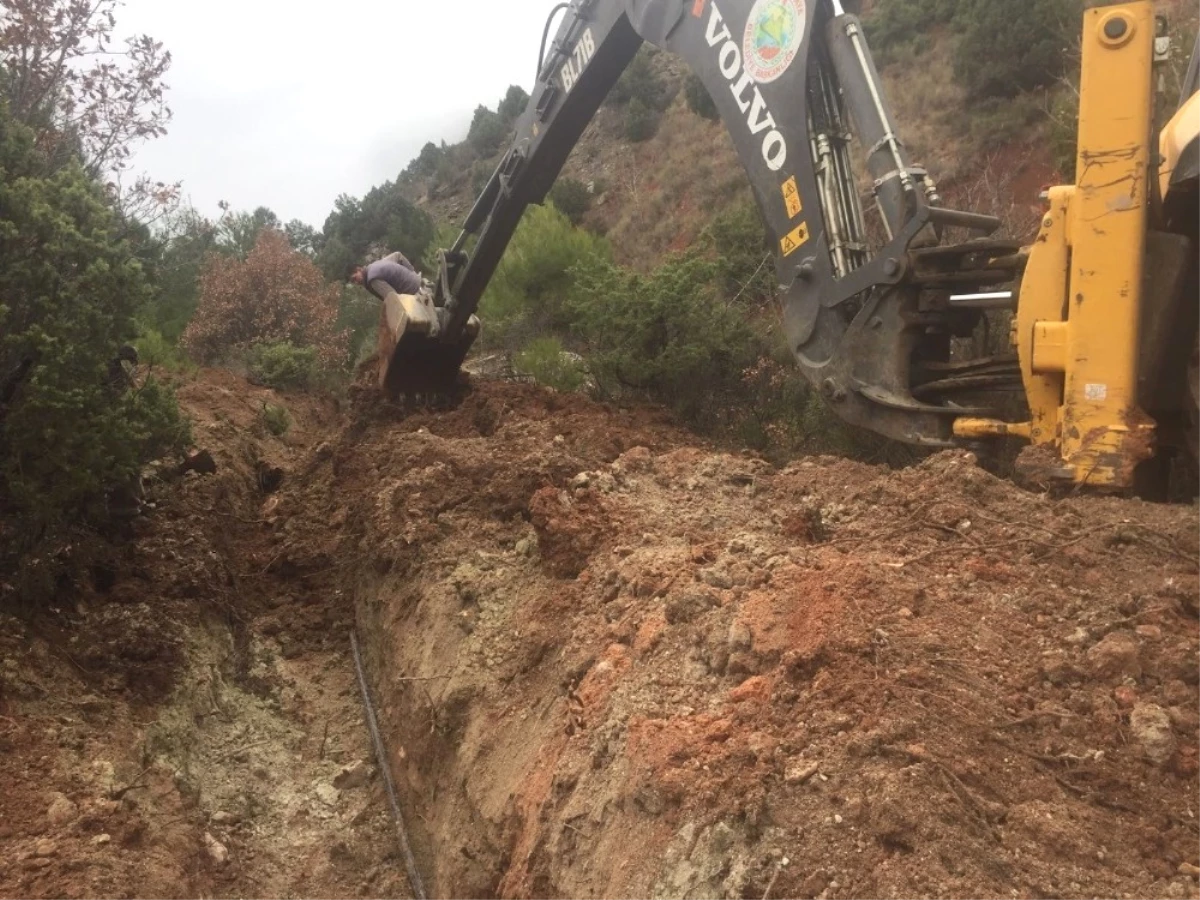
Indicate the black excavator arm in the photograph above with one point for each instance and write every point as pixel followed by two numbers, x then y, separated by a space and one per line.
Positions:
pixel 869 319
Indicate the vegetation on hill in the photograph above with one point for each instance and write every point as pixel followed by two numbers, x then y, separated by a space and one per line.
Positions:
pixel 999 50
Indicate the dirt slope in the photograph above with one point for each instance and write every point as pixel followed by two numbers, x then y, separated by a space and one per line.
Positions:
pixel 611 662
pixel 621 664
pixel 178 725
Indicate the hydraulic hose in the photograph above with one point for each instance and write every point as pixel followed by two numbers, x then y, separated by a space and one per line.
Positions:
pixel 410 864
pixel 546 34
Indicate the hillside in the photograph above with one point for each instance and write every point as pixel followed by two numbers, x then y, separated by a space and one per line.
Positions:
pixel 655 196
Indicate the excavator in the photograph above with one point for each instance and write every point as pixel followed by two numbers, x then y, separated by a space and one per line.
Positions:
pixel 879 281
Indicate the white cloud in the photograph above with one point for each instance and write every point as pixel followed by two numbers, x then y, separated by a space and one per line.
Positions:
pixel 288 103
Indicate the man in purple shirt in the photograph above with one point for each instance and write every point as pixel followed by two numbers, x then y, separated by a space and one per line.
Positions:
pixel 407 306
pixel 393 272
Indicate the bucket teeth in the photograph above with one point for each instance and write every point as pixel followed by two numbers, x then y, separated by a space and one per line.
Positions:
pixel 417 360
pixel 423 367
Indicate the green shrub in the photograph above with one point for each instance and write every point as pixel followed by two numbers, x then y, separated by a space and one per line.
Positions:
pixel 446 235
pixel 526 297
pixel 639 81
pixel 666 336
pixel 158 426
pixel 549 364
pixel 336 259
pixel 1064 133
pixel 572 199
pixel 284 365
pixel 897 28
pixel 996 121
pixel 699 100
pixel 384 217
pixel 487 131
pixel 358 316
pixel 640 121
pixel 740 240
pixel 1015 46
pixel 70 287
pixel 426 162
pixel 175 268
pixel 157 352
pixel 1002 49
pixel 514 103
pixel 452 171
pixel 779 413
pixel 276 418
pixel 481 174
pixel 673 337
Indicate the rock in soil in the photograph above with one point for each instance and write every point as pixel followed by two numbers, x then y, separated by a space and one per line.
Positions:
pixel 1115 657
pixel 353 776
pixel 1151 728
pixel 215 849
pixel 328 794
pixel 61 811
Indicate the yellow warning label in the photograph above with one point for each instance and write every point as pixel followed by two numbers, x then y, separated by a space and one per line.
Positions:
pixel 791 198
pixel 794 239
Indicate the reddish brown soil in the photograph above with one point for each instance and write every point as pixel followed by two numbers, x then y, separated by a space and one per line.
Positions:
pixel 611 662
pixel 631 661
pixel 185 692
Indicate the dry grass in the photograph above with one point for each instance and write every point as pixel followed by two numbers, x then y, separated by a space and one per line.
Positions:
pixel 662 192
pixel 930 110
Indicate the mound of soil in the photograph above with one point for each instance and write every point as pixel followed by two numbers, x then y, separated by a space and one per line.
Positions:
pixel 609 661
pixel 618 663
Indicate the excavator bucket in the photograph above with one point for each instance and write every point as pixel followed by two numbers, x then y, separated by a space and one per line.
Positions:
pixel 415 363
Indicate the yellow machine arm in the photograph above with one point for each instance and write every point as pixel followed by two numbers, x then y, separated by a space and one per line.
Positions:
pixel 1090 325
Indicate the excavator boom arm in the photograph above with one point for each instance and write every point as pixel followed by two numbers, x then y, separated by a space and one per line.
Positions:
pixel 879 283
pixel 594 45
pixel 794 84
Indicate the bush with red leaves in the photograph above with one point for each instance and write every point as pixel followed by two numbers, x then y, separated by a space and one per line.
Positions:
pixel 274 295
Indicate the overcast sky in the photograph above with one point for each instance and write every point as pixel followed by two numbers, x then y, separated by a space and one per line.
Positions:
pixel 288 103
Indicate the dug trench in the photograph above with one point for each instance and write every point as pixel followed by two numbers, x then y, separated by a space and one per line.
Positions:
pixel 607 660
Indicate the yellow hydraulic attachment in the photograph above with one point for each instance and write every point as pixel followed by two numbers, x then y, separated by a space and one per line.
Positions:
pixel 1079 307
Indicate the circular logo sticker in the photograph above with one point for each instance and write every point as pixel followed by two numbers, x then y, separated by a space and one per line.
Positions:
pixel 773 34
